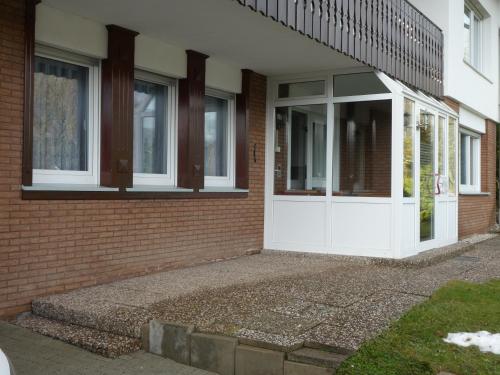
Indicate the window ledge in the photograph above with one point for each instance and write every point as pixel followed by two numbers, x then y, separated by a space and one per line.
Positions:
pixel 477 71
pixel 160 189
pixel 66 187
pixel 222 189
pixel 478 193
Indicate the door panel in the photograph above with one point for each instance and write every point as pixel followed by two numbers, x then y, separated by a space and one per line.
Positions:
pixel 427 175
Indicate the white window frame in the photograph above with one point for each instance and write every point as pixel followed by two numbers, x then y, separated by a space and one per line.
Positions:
pixel 90 177
pixel 225 181
pixel 168 179
pixel 473 182
pixel 476 51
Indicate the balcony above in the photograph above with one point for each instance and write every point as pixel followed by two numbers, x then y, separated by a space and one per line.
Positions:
pixel 272 37
pixel 389 35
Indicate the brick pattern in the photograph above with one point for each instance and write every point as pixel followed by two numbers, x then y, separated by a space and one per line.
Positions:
pixel 55 246
pixel 477 214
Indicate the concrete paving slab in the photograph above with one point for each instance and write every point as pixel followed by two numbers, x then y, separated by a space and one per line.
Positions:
pixel 295 368
pixel 277 301
pixel 32 353
pixel 213 353
pixel 258 361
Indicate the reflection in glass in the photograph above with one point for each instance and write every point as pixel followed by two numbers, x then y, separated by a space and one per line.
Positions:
pixel 441 145
pixel 60 116
pixel 463 158
pixel 300 150
pixel 452 147
pixel 150 128
pixel 467 34
pixel 358 84
pixel 216 136
pixel 301 89
pixel 409 149
pixel 427 178
pixel 362 149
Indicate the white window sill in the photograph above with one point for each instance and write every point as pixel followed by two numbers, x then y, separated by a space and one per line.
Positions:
pixel 66 187
pixel 477 71
pixel 159 189
pixel 476 193
pixel 222 189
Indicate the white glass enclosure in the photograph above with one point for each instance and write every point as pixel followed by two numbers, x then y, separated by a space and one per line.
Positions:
pixel 358 164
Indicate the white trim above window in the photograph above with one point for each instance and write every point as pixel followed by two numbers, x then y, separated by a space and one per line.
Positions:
pixel 221 172
pixel 53 79
pixel 470 162
pixel 168 144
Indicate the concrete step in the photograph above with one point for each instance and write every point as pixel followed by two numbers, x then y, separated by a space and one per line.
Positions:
pixel 317 357
pixel 103 343
pixel 109 318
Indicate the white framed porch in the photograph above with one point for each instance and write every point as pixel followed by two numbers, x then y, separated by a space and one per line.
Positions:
pixel 375 226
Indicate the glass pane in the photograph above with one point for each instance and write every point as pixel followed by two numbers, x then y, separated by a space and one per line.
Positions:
pixel 216 134
pixel 467 34
pixel 60 116
pixel 300 150
pixel 472 161
pixel 301 89
pixel 463 159
pixel 427 178
pixel 358 84
pixel 476 43
pixel 150 128
pixel 441 139
pixel 452 147
pixel 409 149
pixel 362 149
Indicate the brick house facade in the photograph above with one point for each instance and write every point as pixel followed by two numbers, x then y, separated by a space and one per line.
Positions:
pixel 54 245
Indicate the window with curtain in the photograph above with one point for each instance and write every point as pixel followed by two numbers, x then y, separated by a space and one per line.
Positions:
pixel 150 128
pixel 60 116
pixel 216 136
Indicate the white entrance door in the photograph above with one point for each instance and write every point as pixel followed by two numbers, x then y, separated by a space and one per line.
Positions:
pixel 427 178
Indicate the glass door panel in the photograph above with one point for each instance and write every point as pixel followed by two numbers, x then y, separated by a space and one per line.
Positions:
pixel 427 175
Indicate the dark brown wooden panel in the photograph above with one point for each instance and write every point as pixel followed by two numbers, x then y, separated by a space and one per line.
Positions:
pixel 124 195
pixel 29 77
pixel 117 109
pixel 242 127
pixel 389 35
pixel 191 133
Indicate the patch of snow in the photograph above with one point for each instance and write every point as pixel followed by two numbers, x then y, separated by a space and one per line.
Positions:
pixel 487 342
pixel 4 364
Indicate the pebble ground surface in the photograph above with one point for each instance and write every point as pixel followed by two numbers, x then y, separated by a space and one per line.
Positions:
pixel 281 301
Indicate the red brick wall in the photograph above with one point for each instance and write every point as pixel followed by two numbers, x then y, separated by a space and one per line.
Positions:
pixel 55 246
pixel 477 214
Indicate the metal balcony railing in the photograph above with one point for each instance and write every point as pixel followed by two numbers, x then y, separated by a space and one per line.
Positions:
pixel 389 35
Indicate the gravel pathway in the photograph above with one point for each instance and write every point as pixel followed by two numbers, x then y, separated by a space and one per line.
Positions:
pixel 280 300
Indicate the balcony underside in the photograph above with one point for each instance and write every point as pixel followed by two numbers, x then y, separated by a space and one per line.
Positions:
pixel 222 29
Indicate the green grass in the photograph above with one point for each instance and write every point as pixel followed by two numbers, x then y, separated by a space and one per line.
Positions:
pixel 414 344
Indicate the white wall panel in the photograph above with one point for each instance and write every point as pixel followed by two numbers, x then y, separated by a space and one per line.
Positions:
pixel 360 228
pixel 408 237
pixel 77 34
pixel 298 223
pixel 70 32
pixel 452 221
